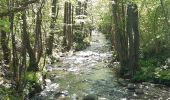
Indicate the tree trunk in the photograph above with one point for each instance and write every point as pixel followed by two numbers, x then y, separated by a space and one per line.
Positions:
pixel 120 36
pixel 69 27
pixel 67 41
pixel 126 37
pixel 136 38
pixel 33 66
pixel 131 37
pixel 52 26
pixel 72 21
pixel 65 25
pixel 5 48
pixel 14 53
pixel 38 37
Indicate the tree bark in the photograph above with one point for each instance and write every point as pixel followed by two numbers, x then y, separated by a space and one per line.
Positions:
pixel 120 36
pixel 14 53
pixel 69 27
pixel 126 37
pixel 65 24
pixel 5 48
pixel 33 66
pixel 136 38
pixel 38 37
pixel 131 37
pixel 52 26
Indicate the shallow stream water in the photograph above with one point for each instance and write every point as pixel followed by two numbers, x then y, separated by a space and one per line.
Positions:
pixel 86 73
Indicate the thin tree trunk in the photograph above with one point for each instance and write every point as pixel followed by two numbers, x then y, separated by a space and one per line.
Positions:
pixel 72 26
pixel 5 48
pixel 120 36
pixel 14 53
pixel 33 66
pixel 165 15
pixel 65 29
pixel 69 27
pixel 136 38
pixel 131 37
pixel 38 37
pixel 52 26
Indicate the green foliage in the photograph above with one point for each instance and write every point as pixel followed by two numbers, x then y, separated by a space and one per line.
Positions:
pixel 151 71
pixel 34 83
pixel 8 94
pixel 155 38
pixel 3 5
pixel 162 76
pixel 105 23
pixel 33 77
pixel 4 25
pixel 81 40
pixel 154 43
pixel 145 74
pixel 152 62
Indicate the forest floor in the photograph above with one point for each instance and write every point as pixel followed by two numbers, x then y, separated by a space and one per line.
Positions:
pixel 86 72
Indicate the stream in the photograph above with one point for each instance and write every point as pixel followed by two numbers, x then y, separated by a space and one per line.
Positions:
pixel 86 72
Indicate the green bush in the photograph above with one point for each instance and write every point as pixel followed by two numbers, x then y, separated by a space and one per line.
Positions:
pixel 152 72
pixel 33 77
pixel 146 74
pixel 162 76
pixel 81 40
pixel 34 83
pixel 8 94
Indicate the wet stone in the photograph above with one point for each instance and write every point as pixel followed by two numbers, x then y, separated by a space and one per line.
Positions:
pixel 130 94
pixel 131 91
pixel 85 80
pixel 156 96
pixel 131 86
pixel 52 76
pixel 139 91
pixel 122 82
pixel 90 97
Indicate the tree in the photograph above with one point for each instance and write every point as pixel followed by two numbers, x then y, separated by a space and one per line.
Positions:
pixel 5 48
pixel 54 16
pixel 68 23
pixel 126 37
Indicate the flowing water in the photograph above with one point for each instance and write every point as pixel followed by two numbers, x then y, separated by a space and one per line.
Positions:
pixel 86 73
